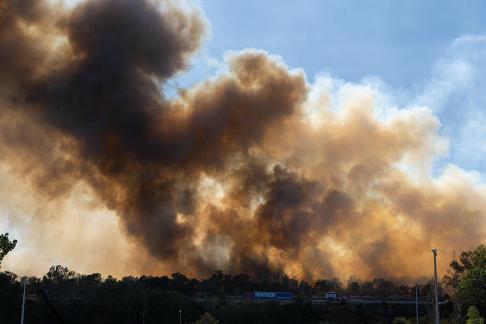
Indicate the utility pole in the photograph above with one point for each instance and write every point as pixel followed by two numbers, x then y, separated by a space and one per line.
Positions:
pixel 416 303
pixel 436 304
pixel 23 304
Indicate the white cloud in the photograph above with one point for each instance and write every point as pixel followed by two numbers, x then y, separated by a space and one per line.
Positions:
pixel 456 93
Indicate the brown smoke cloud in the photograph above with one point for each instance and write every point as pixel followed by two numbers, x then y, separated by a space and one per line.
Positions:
pixel 252 171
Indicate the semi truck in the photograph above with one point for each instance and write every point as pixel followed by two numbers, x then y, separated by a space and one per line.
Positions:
pixel 273 295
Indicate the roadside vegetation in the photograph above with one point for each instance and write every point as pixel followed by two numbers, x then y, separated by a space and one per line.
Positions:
pixel 62 295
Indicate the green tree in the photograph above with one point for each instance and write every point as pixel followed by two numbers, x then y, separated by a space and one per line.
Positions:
pixel 467 260
pixel 207 318
pixel 472 289
pixel 473 316
pixel 6 246
pixel 59 274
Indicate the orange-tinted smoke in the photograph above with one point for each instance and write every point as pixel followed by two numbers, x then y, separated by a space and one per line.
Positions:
pixel 233 173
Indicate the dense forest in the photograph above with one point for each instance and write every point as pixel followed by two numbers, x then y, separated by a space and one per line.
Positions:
pixel 64 296
pixel 93 299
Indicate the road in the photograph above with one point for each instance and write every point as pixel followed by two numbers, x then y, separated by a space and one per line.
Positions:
pixel 368 301
pixel 321 301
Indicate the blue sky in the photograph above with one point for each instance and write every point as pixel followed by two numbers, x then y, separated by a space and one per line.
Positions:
pixel 396 40
pixel 430 53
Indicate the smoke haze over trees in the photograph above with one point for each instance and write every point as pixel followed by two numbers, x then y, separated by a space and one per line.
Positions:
pixel 90 298
pixel 77 298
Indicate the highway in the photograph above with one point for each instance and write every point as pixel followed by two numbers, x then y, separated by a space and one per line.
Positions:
pixel 368 301
pixel 320 301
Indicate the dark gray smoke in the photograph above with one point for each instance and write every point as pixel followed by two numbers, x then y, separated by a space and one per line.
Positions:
pixel 228 174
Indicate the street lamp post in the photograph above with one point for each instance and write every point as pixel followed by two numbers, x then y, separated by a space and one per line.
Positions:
pixel 23 304
pixel 180 316
pixel 416 303
pixel 436 304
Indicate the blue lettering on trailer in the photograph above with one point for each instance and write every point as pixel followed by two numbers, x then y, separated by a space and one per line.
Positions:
pixel 273 295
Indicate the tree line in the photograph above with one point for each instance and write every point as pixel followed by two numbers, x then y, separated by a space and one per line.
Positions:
pixel 62 295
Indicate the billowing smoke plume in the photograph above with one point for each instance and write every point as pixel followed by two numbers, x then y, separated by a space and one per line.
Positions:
pixel 253 171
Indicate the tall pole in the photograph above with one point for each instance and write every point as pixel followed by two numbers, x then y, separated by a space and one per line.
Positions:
pixel 437 320
pixel 23 305
pixel 416 303
pixel 180 316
